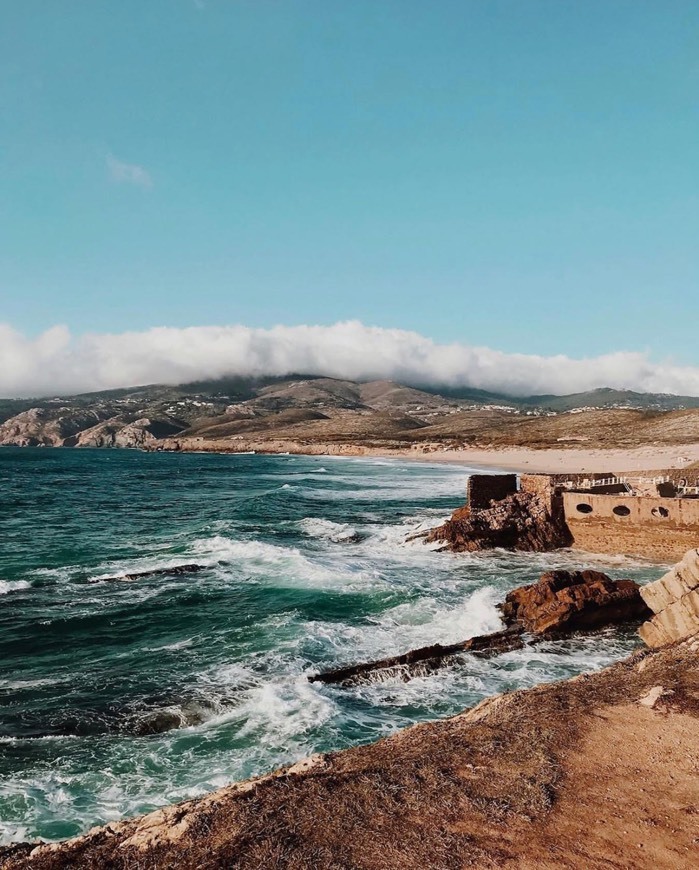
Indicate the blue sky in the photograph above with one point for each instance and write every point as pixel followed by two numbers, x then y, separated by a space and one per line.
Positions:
pixel 520 175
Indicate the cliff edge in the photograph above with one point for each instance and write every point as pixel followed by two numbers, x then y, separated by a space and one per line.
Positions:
pixel 600 771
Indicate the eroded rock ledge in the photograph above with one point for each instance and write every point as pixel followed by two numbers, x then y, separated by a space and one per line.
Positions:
pixel 530 519
pixel 599 771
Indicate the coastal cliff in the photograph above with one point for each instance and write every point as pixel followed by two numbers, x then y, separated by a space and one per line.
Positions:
pixel 599 772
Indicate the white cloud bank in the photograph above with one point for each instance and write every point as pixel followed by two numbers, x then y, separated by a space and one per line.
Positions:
pixel 57 363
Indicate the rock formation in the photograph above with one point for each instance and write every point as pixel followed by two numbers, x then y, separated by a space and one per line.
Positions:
pixel 560 603
pixel 80 427
pixel 521 521
pixel 565 601
pixel 675 601
pixel 47 427
pixel 420 662
pixel 173 571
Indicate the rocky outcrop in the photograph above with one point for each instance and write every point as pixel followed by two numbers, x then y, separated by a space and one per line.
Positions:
pixel 560 603
pixel 47 427
pixel 420 662
pixel 565 601
pixel 115 432
pixel 595 772
pixel 675 601
pixel 521 521
pixel 71 427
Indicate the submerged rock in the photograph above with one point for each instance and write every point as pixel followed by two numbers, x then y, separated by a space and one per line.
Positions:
pixel 174 571
pixel 565 601
pixel 521 521
pixel 419 662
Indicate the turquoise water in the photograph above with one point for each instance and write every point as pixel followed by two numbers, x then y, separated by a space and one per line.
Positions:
pixel 306 567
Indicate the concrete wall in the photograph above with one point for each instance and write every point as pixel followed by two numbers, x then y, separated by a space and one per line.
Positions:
pixel 481 489
pixel 654 527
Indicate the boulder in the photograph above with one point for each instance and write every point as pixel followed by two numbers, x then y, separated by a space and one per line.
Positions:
pixel 565 601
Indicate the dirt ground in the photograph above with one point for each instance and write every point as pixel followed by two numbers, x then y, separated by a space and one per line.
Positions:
pixel 601 771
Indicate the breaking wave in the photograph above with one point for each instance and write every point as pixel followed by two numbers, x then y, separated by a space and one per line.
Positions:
pixel 175 685
pixel 7 586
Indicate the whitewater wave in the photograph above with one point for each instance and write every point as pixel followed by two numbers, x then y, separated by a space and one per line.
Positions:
pixel 281 565
pixel 338 533
pixel 7 586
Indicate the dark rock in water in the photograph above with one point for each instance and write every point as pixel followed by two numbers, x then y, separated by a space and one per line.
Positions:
pixel 174 571
pixel 193 712
pixel 419 662
pixel 565 601
pixel 521 521
pixel 560 603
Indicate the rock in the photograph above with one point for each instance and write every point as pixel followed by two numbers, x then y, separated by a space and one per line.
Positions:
pixel 565 601
pixel 675 601
pixel 47 427
pixel 174 571
pixel 419 662
pixel 559 603
pixel 521 521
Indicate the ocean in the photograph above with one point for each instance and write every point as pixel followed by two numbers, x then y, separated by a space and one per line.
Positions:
pixel 120 696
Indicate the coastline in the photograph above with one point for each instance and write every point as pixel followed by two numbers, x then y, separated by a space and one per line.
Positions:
pixel 564 460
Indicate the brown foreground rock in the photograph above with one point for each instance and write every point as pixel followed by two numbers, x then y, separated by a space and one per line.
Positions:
pixel 565 601
pixel 601 771
pixel 522 521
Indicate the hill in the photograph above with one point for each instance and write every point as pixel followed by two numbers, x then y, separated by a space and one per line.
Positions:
pixel 311 410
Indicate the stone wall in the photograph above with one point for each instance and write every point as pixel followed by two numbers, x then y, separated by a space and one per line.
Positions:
pixel 675 601
pixel 482 489
pixel 650 526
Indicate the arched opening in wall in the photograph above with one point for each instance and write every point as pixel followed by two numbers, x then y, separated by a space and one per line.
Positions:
pixel 660 512
pixel 583 508
pixel 621 510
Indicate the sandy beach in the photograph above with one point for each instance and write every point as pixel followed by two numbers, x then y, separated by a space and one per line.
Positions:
pixel 564 460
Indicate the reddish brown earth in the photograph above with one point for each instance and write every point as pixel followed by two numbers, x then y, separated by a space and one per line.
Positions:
pixel 601 771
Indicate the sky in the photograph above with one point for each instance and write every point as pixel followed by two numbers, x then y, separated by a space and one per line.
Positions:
pixel 517 180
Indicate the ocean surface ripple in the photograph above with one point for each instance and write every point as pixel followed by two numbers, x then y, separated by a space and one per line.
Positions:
pixel 118 697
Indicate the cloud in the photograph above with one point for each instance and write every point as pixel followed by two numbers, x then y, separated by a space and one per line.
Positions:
pixel 128 173
pixel 58 363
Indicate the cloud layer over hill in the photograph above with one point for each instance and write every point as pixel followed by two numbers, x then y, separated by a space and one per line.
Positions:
pixel 56 362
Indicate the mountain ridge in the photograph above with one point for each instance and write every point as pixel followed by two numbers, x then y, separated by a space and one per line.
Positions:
pixel 311 408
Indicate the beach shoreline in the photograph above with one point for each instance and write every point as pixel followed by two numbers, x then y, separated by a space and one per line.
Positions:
pixel 564 460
